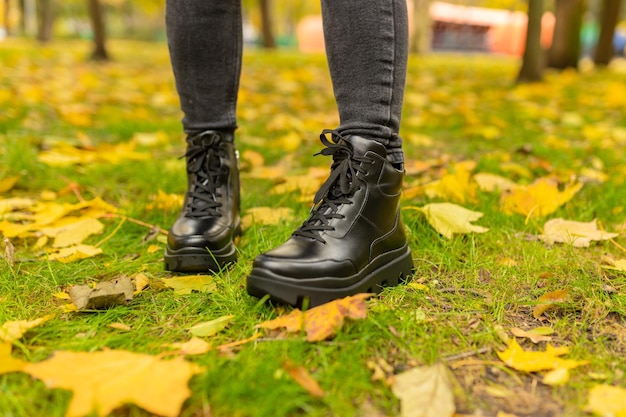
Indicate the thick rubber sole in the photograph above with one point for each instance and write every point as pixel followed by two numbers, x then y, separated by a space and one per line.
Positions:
pixel 193 259
pixel 285 290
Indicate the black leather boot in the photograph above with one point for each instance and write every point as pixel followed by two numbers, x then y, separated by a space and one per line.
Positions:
pixel 202 237
pixel 354 240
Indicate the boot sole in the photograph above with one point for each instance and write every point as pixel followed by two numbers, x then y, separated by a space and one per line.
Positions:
pixel 285 290
pixel 193 259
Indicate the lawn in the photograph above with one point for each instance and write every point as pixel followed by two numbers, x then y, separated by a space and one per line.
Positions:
pixel 73 132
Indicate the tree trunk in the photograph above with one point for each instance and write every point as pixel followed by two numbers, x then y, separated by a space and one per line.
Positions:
pixel 99 32
pixel 266 24
pixel 608 21
pixel 565 49
pixel 422 27
pixel 532 65
pixel 29 17
pixel 46 20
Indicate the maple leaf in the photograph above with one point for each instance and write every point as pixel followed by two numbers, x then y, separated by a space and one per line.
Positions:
pixel 536 335
pixel 457 186
pixel 607 401
pixel 539 199
pixel 75 253
pixel 549 301
pixel 323 321
pixel 188 284
pixel 103 381
pixel 577 234
pixel 425 391
pixel 11 331
pixel 531 361
pixel 72 230
pixel 7 362
pixel 448 218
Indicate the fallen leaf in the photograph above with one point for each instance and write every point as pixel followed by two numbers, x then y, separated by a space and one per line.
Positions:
pixel 492 182
pixel 534 337
pixel 75 253
pixel 72 231
pixel 9 252
pixel 118 291
pixel 549 301
pixel 531 361
pixel 425 392
pixel 210 328
pixel 615 264
pixel 194 346
pixel 457 186
pixel 556 377
pixel 103 381
pixel 120 326
pixel 11 331
pixel 607 401
pixel 322 321
pixel 304 379
pixel 7 362
pixel 539 199
pixel 448 219
pixel 188 284
pixel 266 216
pixel 577 234
pixel 141 282
pixel 164 201
pixel 7 183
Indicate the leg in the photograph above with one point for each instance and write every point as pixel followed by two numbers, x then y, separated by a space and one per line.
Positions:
pixel 205 41
pixel 354 240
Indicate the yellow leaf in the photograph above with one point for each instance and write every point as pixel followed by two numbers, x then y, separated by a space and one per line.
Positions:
pixel 7 362
pixel 530 361
pixel 425 391
pixel 62 296
pixel 448 219
pixel 75 253
pixel 558 376
pixel 616 264
pixel 72 230
pixel 577 234
pixel 492 182
pixel 141 282
pixel 607 401
pixel 266 216
pixel 547 301
pixel 188 284
pixel 209 328
pixel 103 381
pixel 535 338
pixel 17 203
pixel 323 321
pixel 304 379
pixel 6 184
pixel 539 199
pixel 120 326
pixel 195 346
pixel 11 331
pixel 164 201
pixel 457 186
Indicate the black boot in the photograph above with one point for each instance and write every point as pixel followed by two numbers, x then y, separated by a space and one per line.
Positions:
pixel 201 239
pixel 354 239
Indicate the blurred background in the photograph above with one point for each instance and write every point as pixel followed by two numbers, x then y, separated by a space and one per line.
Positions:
pixel 488 26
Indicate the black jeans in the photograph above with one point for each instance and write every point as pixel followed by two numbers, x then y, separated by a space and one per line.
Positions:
pixel 366 47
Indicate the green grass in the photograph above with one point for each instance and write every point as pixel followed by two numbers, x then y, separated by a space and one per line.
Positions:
pixel 450 98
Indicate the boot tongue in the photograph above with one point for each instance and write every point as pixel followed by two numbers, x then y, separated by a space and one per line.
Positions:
pixel 360 146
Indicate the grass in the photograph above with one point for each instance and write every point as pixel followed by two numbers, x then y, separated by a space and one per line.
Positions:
pixel 458 107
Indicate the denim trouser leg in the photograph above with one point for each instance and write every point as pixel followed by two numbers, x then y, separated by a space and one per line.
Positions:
pixel 367 49
pixel 205 41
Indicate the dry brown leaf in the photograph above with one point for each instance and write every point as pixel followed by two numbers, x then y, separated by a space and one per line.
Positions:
pixel 549 301
pixel 11 331
pixel 577 234
pixel 9 251
pixel 118 291
pixel 323 321
pixel 425 391
pixel 103 381
pixel 304 379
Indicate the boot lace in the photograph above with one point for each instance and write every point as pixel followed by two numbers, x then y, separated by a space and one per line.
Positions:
pixel 338 189
pixel 204 165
